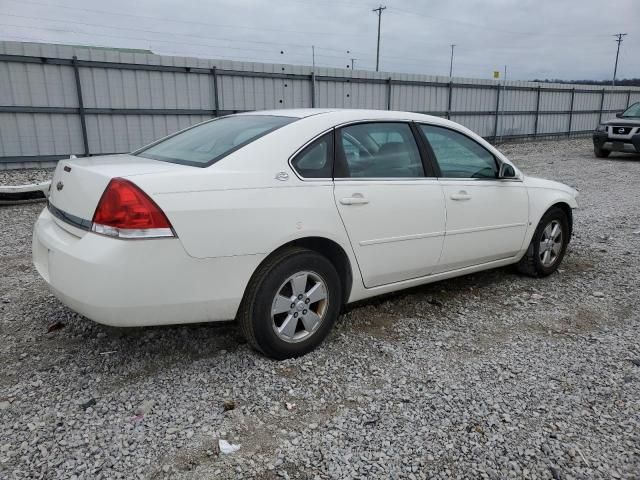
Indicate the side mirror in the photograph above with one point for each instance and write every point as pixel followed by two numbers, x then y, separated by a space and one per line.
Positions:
pixel 619 115
pixel 506 171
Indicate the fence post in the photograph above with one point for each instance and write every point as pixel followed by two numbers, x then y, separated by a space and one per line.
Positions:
pixel 389 93
pixel 214 93
pixel 449 100
pixel 573 94
pixel 535 123
pixel 83 122
pixel 497 114
pixel 313 89
pixel 601 106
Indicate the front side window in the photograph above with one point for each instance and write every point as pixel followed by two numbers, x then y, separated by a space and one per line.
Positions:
pixel 208 142
pixel 379 150
pixel 632 111
pixel 459 156
pixel 316 160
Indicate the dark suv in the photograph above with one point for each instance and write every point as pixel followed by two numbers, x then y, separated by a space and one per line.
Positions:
pixel 619 135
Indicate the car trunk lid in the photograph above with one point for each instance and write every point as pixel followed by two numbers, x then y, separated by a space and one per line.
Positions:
pixel 78 184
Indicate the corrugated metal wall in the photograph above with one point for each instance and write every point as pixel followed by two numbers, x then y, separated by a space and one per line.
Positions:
pixel 130 99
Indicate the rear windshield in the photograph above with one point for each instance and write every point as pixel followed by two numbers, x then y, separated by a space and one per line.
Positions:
pixel 207 143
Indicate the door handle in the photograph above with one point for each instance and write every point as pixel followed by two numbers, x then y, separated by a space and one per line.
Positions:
pixel 460 196
pixel 356 199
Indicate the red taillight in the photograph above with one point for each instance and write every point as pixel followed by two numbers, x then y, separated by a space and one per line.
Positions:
pixel 125 211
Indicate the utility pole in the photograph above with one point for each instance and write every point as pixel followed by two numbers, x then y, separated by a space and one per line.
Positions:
pixel 313 57
pixel 451 64
pixel 504 98
pixel 615 69
pixel 353 61
pixel 379 11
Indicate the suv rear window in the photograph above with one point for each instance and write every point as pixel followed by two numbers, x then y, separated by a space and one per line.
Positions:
pixel 205 144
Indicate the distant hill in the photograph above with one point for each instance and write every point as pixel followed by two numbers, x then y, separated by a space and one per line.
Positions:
pixel 626 82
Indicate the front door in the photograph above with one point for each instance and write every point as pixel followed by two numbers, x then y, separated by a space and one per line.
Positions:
pixel 393 213
pixel 486 217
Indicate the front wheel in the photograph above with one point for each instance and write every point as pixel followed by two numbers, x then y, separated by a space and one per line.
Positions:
pixel 291 303
pixel 601 152
pixel 548 245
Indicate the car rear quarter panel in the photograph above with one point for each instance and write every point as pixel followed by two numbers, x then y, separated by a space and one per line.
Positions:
pixel 250 221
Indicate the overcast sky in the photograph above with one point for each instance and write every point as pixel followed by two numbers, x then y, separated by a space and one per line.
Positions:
pixel 567 39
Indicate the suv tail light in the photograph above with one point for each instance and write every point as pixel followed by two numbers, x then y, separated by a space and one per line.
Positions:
pixel 125 211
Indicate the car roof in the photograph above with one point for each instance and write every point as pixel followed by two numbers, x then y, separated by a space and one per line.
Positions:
pixel 340 115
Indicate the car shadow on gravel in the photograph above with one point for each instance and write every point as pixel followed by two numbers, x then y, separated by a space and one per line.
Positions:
pixel 623 157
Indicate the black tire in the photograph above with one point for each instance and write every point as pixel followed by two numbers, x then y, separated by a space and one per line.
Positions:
pixel 531 263
pixel 254 315
pixel 601 152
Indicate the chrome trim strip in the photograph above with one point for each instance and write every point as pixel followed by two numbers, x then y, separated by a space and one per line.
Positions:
pixel 633 130
pixel 484 180
pixel 413 179
pixel 132 233
pixel 122 234
pixel 385 179
pixel 73 220
pixel 415 236
pixel 484 229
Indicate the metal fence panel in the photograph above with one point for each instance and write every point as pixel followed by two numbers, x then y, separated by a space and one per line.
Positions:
pixel 483 125
pixel 124 133
pixel 584 121
pixel 57 100
pixel 555 101
pixel 39 134
pixel 552 123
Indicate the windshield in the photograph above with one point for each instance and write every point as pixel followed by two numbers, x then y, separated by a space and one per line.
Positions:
pixel 208 142
pixel 632 111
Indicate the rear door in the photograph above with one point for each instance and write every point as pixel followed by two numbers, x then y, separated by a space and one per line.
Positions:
pixel 391 205
pixel 486 216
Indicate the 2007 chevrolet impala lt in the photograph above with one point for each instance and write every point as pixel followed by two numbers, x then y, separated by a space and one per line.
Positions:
pixel 278 219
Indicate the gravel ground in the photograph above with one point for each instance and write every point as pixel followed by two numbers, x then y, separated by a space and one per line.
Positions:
pixel 492 375
pixel 25 177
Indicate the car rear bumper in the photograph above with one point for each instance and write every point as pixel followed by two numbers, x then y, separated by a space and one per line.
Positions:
pixel 137 282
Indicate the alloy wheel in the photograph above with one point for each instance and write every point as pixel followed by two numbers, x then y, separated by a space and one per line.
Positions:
pixel 551 243
pixel 299 306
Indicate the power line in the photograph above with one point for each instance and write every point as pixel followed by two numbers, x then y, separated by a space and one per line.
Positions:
pixel 399 60
pixel 251 49
pixel 489 28
pixel 164 33
pixel 190 22
pixel 170 42
pixel 619 38
pixel 379 10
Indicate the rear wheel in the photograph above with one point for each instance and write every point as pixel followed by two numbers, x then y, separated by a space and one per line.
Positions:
pixel 291 303
pixel 601 152
pixel 548 245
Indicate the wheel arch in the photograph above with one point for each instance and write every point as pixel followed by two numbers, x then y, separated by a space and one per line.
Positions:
pixel 566 208
pixel 330 249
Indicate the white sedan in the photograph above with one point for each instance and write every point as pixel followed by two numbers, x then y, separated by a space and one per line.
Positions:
pixel 278 219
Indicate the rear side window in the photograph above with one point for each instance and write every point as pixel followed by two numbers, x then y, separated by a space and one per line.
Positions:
pixel 316 160
pixel 458 156
pixel 379 150
pixel 207 143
